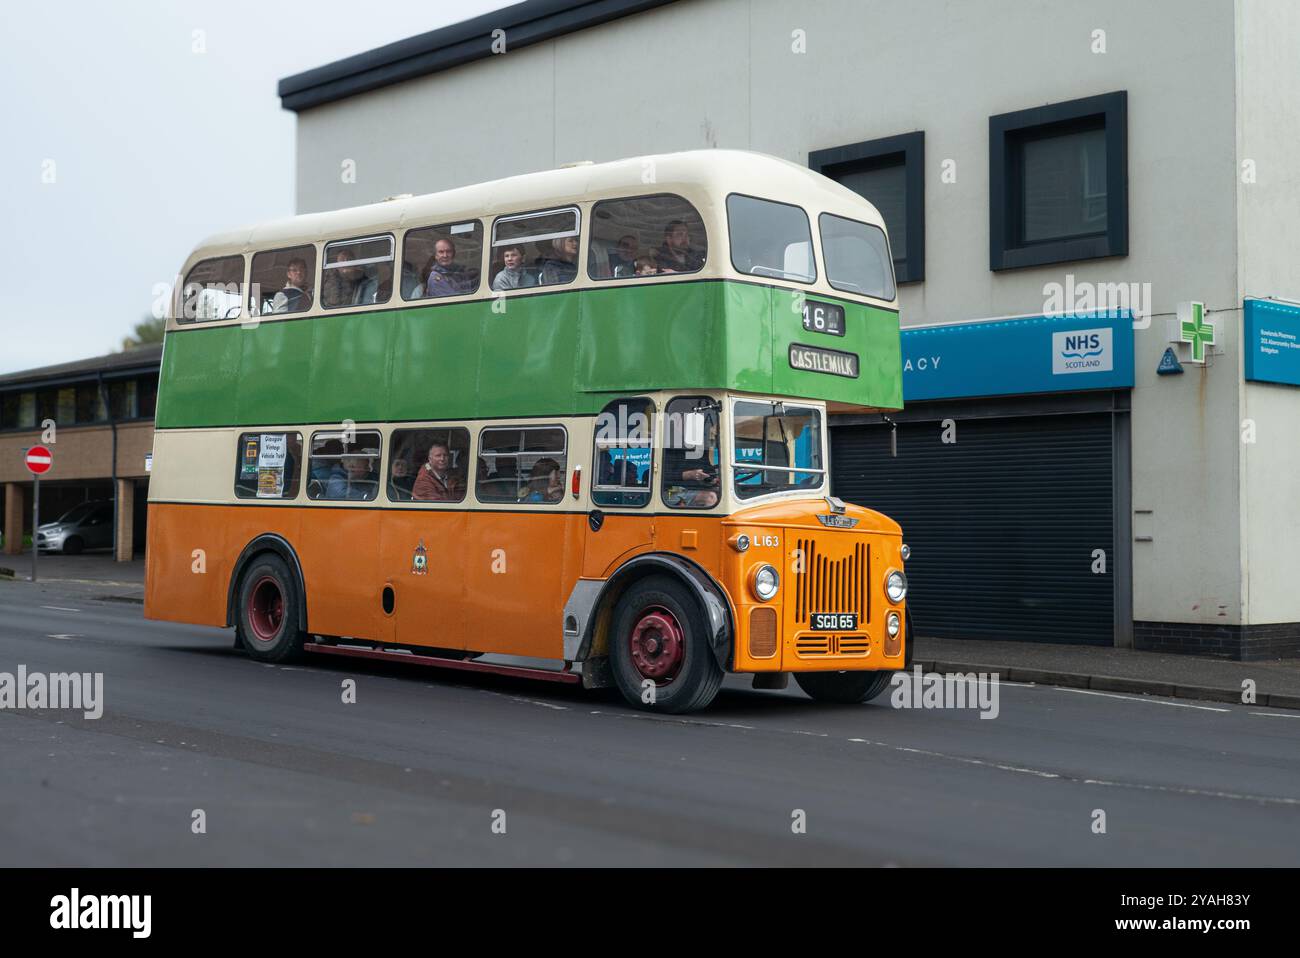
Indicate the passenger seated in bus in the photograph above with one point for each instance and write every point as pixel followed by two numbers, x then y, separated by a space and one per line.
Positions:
pixel 358 480
pixel 545 482
pixel 676 255
pixel 402 477
pixel 437 482
pixel 296 294
pixel 562 265
pixel 623 258
pixel 367 291
pixel 482 480
pixel 339 287
pixel 648 266
pixel 444 276
pixel 512 274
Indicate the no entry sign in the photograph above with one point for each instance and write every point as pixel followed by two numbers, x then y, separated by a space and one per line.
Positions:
pixel 39 460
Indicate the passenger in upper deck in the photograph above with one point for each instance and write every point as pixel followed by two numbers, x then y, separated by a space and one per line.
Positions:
pixel 647 266
pixel 446 277
pixel 296 294
pixel 342 284
pixel 676 255
pixel 513 275
pixel 562 265
pixel 623 259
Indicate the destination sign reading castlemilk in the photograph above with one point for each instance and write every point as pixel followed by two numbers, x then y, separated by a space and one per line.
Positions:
pixel 817 360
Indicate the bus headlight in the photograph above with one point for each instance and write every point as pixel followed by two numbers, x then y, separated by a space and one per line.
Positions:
pixel 892 624
pixel 896 586
pixel 765 582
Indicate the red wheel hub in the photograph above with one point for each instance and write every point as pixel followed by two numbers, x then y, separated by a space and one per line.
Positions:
pixel 265 609
pixel 658 645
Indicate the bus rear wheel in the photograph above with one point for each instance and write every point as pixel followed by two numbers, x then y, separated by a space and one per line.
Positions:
pixel 843 688
pixel 267 611
pixel 659 651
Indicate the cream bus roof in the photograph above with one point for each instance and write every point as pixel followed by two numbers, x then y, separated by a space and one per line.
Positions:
pixel 703 176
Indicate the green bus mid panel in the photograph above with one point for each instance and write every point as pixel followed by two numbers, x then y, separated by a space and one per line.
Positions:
pixel 544 354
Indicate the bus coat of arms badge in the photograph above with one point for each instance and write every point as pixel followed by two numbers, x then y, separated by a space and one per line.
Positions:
pixel 420 561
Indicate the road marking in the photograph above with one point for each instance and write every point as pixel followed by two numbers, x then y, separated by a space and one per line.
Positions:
pixel 63 636
pixel 1263 799
pixel 1141 698
pixel 960 758
pixel 1274 714
pixel 59 608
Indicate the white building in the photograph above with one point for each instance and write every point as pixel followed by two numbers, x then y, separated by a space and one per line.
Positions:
pixel 1020 151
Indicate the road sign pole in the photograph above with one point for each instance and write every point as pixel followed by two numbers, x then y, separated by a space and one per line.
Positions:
pixel 36 518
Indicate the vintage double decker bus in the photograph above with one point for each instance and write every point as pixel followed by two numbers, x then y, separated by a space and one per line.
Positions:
pixel 569 425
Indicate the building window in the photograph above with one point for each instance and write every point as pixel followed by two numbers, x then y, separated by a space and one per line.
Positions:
pixel 890 173
pixel 90 403
pixel 1058 183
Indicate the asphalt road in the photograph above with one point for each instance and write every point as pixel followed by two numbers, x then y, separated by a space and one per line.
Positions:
pixel 417 771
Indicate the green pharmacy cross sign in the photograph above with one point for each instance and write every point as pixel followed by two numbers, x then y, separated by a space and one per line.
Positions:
pixel 1194 328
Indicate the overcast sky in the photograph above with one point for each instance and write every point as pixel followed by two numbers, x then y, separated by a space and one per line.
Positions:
pixel 150 145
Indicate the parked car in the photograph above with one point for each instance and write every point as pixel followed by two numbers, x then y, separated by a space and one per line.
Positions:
pixel 88 525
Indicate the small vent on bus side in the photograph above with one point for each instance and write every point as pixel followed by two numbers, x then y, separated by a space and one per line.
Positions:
pixel 762 632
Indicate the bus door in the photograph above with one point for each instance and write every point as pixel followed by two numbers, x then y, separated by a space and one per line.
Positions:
pixel 622 474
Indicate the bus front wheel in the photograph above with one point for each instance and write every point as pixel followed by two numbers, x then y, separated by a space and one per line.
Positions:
pixel 267 622
pixel 659 650
pixel 843 688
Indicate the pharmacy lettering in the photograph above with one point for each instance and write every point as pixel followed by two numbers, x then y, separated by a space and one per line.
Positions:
pixel 817 360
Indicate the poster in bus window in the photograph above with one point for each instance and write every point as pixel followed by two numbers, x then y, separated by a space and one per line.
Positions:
pixel 270 465
pixel 249 467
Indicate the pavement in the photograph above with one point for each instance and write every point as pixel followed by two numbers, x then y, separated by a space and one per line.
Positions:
pixel 1276 682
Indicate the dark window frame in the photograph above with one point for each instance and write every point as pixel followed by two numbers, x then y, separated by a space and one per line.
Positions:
pixel 403 431
pixel 906 150
pixel 309 456
pixel 1008 132
pixel 491 245
pixel 178 304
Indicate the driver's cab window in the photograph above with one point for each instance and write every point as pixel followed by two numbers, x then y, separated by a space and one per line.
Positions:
pixel 212 290
pixel 692 461
pixel 282 281
pixel 624 454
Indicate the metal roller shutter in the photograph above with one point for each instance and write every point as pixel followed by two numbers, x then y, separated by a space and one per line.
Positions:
pixel 1002 523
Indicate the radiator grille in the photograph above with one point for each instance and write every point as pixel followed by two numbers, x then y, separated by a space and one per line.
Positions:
pixel 831 583
pixel 815 645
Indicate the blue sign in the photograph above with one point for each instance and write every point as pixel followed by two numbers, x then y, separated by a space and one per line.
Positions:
pixel 1272 341
pixel 1036 354
pixel 1169 364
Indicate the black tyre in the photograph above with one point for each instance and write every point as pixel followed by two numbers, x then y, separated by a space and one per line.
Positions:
pixel 659 649
pixel 844 688
pixel 266 614
pixel 72 546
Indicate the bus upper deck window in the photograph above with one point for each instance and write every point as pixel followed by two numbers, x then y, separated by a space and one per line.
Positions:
pixel 283 281
pixel 857 257
pixel 535 249
pixel 442 260
pixel 645 236
pixel 770 239
pixel 357 272
pixel 211 290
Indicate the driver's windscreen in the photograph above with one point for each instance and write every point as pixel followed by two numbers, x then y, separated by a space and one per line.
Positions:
pixel 777 447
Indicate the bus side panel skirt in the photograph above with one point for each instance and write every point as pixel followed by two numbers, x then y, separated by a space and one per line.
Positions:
pixel 390 655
